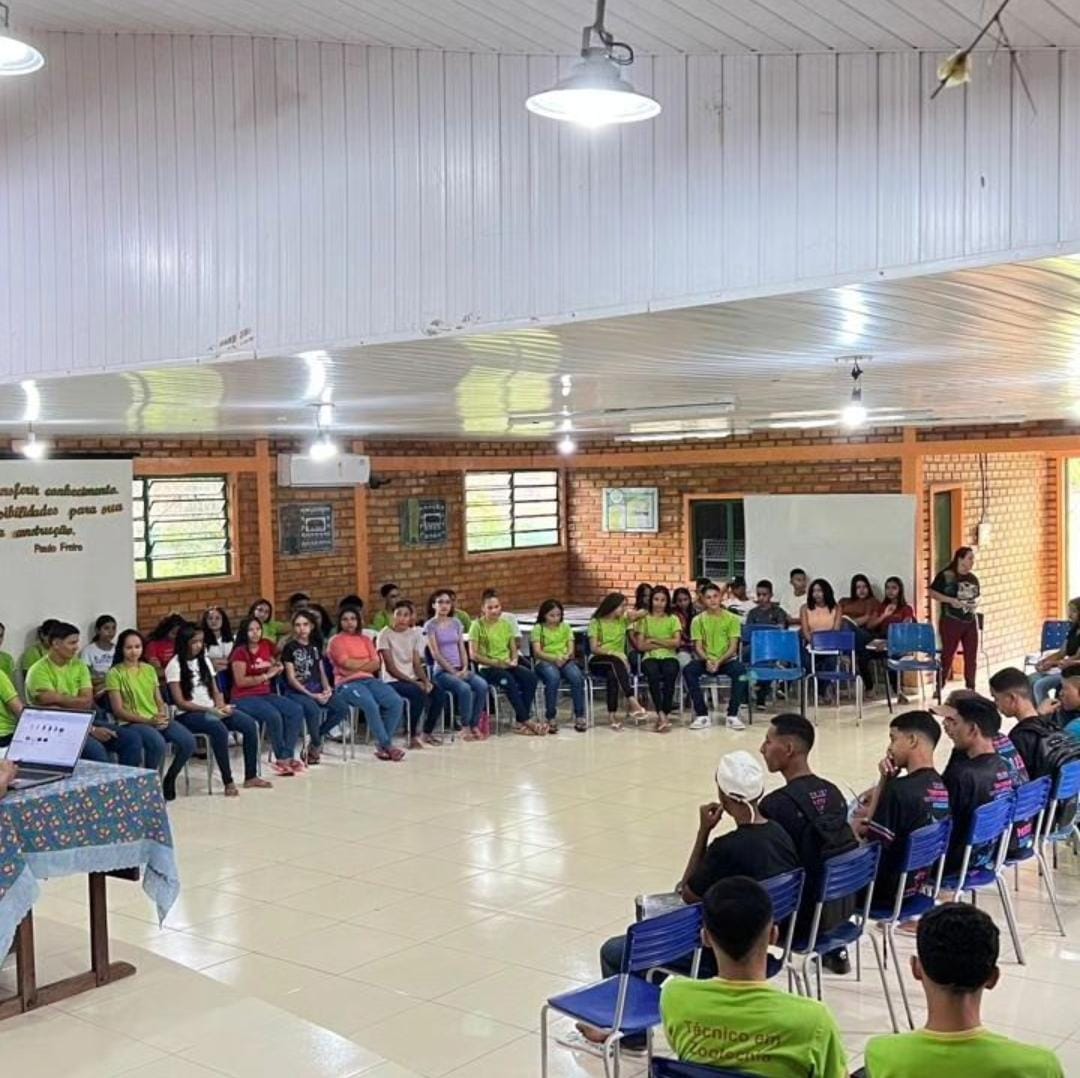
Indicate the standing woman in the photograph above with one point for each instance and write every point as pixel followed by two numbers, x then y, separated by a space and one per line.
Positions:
pixel 956 589
pixel 553 657
pixel 99 653
pixel 494 646
pixel 305 679
pixel 201 709
pixel 446 642
pixel 218 642
pixel 607 642
pixel 658 635
pixel 253 669
pixel 820 614
pixel 682 606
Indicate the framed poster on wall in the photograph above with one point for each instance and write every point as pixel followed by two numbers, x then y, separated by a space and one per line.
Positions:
pixel 424 522
pixel 631 509
pixel 306 528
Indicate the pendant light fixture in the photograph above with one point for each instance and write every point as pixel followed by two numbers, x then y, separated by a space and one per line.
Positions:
pixel 854 415
pixel 595 94
pixel 16 57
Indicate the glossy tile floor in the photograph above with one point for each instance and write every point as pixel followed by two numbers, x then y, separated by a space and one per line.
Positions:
pixel 394 921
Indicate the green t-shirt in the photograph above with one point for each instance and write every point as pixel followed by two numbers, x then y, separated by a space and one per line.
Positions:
pixel 558 641
pixel 7 694
pixel 31 656
pixel 716 632
pixel 45 676
pixel 466 621
pixel 136 688
pixel 380 621
pixel 272 630
pixel 610 633
pixel 492 638
pixel 664 627
pixel 975 1051
pixel 7 664
pixel 750 1025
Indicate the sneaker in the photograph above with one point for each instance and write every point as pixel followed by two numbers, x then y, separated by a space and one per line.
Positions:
pixel 837 962
pixel 735 723
pixel 701 722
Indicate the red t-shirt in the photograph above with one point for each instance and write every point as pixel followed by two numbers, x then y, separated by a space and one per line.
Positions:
pixel 350 646
pixel 254 664
pixel 899 616
pixel 160 651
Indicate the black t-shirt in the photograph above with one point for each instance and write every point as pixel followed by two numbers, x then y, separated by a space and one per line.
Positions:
pixel 305 658
pixel 822 794
pixel 759 851
pixel 971 783
pixel 907 803
pixel 962 586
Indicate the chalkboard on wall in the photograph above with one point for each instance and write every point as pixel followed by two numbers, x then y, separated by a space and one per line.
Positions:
pixel 423 522
pixel 306 528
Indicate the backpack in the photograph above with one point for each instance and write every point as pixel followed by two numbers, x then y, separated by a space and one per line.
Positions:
pixel 1055 748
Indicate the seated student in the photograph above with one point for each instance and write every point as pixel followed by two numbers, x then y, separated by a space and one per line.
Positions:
pixel 756 848
pixel 700 585
pixel 608 627
pixel 795 596
pixel 737 1019
pixel 682 606
pixel 717 637
pixel 59 679
pixel 161 643
pixel 456 612
pixel 1053 668
pixel 1067 705
pixel 494 648
pixel 299 600
pixel 737 601
pixel 263 609
pixel 201 709
pixel 306 682
pixel 38 648
pixel 401 648
pixel 643 597
pixel 357 684
pixel 253 669
pixel 820 614
pixel 552 643
pixel 98 654
pixel 765 611
pixel 657 635
pixel 813 812
pixel 218 641
pixel 902 803
pixel 136 704
pixel 7 663
pixel 450 654
pixel 857 610
pixel 11 707
pixel 894 609
pixel 384 618
pixel 956 959
pixel 352 601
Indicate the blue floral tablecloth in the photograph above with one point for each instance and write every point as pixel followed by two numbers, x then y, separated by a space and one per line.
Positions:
pixel 103 818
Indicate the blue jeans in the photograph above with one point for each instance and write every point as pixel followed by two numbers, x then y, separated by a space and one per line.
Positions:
pixel 137 744
pixel 551 675
pixel 1044 684
pixel 316 717
pixel 279 716
pixel 382 707
pixel 519 683
pixel 420 702
pixel 733 669
pixel 217 732
pixel 470 695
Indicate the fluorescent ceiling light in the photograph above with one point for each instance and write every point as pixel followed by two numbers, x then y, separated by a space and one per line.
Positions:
pixel 33 448
pixel 323 448
pixel 32 413
pixel 566 445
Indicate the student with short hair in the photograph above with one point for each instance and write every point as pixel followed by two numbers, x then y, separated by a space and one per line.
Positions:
pixel 738 602
pixel 552 642
pixel 956 958
pixel 657 635
pixel 254 667
pixel 493 643
pixel 305 680
pixel 956 591
pixel 1052 669
pixel 717 637
pixel 700 585
pixel 357 684
pixel 737 1019
pixel 910 794
pixel 98 654
pixel 263 609
pixel 218 641
pixel 401 647
pixel 765 611
pixel 608 630
pixel 390 594
pixel 137 706
pixel 299 600
pixel 449 651
pixel 7 662
pixel 1068 705
pixel 795 596
pixel 11 707
pixel 201 709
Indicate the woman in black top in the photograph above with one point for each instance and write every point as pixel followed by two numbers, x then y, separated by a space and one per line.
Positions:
pixel 956 589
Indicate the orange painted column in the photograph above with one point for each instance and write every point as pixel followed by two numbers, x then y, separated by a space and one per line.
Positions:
pixel 265 502
pixel 912 482
pixel 363 550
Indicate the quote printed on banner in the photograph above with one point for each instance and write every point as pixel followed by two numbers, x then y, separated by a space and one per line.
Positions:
pixel 50 517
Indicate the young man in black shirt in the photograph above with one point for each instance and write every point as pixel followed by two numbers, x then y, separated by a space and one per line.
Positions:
pixel 813 812
pixel 902 803
pixel 1039 738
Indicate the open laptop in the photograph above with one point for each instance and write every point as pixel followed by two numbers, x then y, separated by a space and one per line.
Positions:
pixel 47 745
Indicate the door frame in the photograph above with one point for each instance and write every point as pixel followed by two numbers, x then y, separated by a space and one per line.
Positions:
pixel 688 525
pixel 956 491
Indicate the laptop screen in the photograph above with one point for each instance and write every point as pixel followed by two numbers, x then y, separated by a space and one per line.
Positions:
pixel 49 739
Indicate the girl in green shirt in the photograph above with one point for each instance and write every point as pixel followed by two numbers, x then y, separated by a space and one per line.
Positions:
pixel 494 649
pixel 553 657
pixel 656 636
pixel 607 643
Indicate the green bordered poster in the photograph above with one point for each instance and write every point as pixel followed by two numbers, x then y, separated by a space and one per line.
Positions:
pixel 631 509
pixel 423 522
pixel 306 528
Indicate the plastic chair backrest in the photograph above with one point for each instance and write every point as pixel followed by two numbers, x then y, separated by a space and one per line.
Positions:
pixel 785 891
pixel 371 634
pixel 911 637
pixel 849 873
pixel 659 941
pixel 842 640
pixel 747 631
pixel 926 845
pixel 1054 635
pixel 1031 799
pixel 674 1068
pixel 778 647
pixel 1068 783
pixel 990 821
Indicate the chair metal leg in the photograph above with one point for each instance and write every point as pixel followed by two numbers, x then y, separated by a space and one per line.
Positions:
pixel 1051 887
pixel 858 961
pixel 859 697
pixel 884 983
pixel 899 967
pixel 1010 917
pixel 543 1041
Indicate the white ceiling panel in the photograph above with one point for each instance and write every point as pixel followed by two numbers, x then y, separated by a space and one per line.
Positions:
pixel 553 26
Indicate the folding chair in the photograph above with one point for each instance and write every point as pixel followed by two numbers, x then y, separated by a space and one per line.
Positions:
pixel 1053 636
pixel 841 644
pixel 785 893
pixel 991 825
pixel 925 849
pixel 1059 825
pixel 624 1003
pixel 776 657
pixel 904 645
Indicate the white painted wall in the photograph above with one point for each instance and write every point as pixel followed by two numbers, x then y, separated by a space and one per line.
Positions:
pixel 158 193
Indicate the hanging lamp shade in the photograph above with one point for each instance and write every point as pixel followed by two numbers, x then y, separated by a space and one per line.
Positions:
pixel 594 94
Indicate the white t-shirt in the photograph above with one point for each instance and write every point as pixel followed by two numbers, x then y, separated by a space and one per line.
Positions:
pixel 99 660
pixel 403 647
pixel 201 696
pixel 219 652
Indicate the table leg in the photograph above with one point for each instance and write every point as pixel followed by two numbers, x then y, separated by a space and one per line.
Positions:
pixel 26 994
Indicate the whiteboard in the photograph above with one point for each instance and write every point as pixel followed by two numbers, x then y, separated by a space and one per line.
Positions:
pixel 832 536
pixel 66 545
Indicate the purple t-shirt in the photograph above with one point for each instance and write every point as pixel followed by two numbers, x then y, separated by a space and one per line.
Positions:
pixel 449 638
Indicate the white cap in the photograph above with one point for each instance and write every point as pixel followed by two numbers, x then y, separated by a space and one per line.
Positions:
pixel 740 776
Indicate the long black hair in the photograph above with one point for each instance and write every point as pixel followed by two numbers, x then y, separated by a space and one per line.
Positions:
pixel 861 578
pixel 826 591
pixel 660 589
pixel 241 640
pixel 168 624
pixel 350 610
pixel 118 654
pixel 184 657
pixel 546 608
pixel 960 552
pixel 209 636
pixel 434 595
pixel 260 602
pixel 609 604
pixel 640 602
pixel 901 600
pixel 312 619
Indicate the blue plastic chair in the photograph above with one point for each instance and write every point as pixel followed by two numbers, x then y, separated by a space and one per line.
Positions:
pixel 1032 801
pixel 785 893
pixel 991 825
pixel 845 875
pixel 841 643
pixel 925 849
pixel 628 1004
pixel 776 657
pixel 673 1068
pixel 1053 636
pixel 904 645
pixel 1059 825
